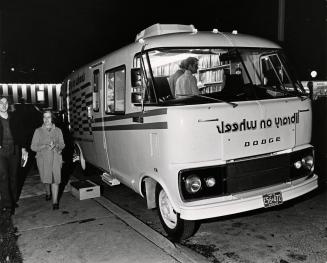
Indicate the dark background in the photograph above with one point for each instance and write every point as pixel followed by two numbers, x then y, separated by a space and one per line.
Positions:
pixel 44 40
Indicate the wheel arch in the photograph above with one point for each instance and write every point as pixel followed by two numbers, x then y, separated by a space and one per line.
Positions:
pixel 148 187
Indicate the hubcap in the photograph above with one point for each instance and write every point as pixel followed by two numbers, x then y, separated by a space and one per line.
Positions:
pixel 167 212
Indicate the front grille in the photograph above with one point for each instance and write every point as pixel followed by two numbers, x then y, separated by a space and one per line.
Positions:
pixel 257 173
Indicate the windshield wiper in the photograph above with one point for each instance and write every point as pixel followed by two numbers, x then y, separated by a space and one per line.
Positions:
pixel 304 97
pixel 206 97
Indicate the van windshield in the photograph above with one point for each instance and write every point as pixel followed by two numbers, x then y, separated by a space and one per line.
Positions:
pixel 199 75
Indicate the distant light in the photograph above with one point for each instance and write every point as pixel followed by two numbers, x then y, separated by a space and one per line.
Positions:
pixel 234 32
pixel 12 69
pixel 33 69
pixel 40 95
pixel 313 73
pixel 215 31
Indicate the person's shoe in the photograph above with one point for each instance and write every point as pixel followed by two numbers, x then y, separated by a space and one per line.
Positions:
pixel 55 206
pixel 47 197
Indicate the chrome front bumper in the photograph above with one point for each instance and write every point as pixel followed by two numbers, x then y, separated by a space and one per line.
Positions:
pixel 245 201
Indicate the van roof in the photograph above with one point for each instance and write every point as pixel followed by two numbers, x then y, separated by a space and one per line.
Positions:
pixel 207 39
pixel 187 35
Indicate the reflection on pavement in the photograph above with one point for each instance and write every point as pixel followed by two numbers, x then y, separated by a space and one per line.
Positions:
pixel 34 187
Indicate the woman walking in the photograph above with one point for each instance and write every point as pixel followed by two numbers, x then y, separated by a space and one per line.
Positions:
pixel 48 143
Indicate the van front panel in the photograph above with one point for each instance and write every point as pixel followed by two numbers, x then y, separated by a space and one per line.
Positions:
pixel 210 132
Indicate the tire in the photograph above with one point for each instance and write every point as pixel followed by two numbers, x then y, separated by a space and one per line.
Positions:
pixel 176 228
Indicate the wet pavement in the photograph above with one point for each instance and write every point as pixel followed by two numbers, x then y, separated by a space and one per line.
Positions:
pixel 293 232
pixel 91 230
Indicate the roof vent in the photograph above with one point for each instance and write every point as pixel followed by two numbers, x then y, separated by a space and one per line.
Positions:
pixel 163 29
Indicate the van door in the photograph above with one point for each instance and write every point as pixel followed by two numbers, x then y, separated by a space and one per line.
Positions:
pixel 98 121
pixel 117 126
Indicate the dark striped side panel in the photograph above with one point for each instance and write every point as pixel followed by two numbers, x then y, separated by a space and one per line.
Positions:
pixel 29 93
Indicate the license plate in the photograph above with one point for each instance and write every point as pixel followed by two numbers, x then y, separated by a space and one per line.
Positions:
pixel 273 199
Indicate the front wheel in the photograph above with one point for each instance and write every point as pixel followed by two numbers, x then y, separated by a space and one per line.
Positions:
pixel 176 228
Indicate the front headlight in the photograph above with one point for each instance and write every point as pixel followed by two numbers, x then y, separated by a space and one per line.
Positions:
pixel 193 184
pixel 308 162
pixel 199 183
pixel 302 163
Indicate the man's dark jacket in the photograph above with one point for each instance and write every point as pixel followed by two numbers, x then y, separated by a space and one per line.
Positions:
pixel 17 130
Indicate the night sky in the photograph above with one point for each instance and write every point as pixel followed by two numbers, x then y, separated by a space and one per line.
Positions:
pixel 55 37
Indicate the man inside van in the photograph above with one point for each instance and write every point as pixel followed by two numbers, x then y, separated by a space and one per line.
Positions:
pixel 186 84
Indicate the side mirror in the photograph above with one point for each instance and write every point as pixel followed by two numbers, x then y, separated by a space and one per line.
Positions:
pixel 136 77
pixel 136 83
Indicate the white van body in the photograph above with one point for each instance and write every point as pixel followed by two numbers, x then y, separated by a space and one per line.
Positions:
pixel 255 152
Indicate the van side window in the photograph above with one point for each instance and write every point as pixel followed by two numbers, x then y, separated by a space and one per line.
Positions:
pixel 96 92
pixel 115 84
pixel 274 72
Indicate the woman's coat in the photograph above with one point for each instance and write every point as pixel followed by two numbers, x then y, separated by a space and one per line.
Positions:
pixel 49 161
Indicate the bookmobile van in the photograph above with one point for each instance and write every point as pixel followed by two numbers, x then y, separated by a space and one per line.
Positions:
pixel 241 144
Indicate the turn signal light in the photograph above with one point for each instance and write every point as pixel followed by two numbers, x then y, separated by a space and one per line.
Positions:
pixel 298 164
pixel 210 181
